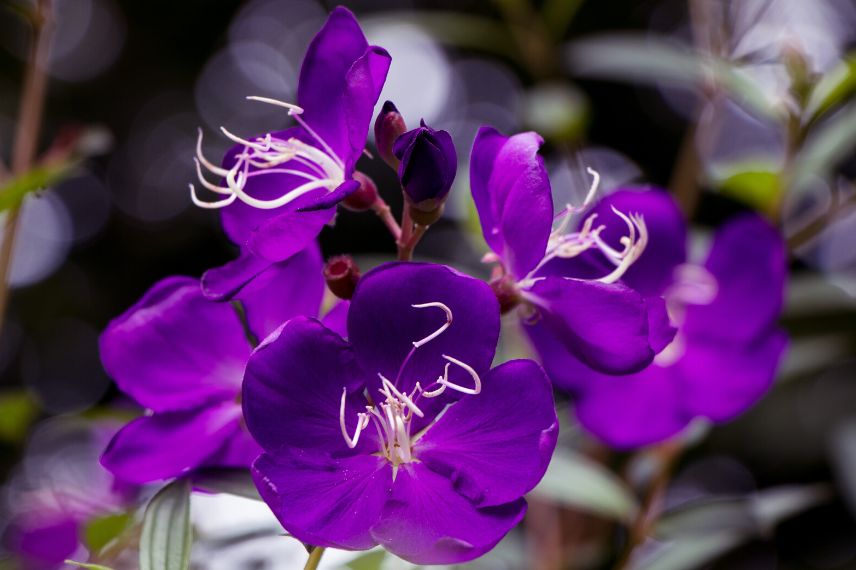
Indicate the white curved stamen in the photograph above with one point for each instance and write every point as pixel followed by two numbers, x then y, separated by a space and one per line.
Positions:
pixel 322 168
pixel 362 422
pixel 393 415
pixel 439 331
pixel 444 383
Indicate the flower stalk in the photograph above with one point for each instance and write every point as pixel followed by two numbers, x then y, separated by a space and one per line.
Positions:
pixel 26 135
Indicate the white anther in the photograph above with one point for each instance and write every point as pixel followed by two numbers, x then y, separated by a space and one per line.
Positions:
pixel 439 331
pixel 362 422
pixel 292 108
pixel 592 189
pixel 262 146
pixel 444 380
pixel 210 205
pixel 208 164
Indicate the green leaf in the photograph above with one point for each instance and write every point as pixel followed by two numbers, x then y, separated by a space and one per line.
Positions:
pixel 87 565
pixel 371 560
pixel 99 532
pixel 17 412
pixel 752 184
pixel 557 111
pixel 701 531
pixel 15 190
pixel 165 541
pixel 833 88
pixel 689 552
pixel 578 482
pixel 233 481
pixel 642 59
pixel 829 144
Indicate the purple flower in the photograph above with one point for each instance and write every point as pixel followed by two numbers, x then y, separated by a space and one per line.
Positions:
pixel 62 491
pixel 182 356
pixel 360 447
pixel 428 166
pixel 279 189
pixel 728 346
pixel 600 320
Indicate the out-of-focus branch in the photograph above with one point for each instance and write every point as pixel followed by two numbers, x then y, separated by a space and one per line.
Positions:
pixel 27 132
pixel 836 210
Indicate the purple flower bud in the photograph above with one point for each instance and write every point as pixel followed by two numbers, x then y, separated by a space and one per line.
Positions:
pixel 364 197
pixel 428 166
pixel 388 126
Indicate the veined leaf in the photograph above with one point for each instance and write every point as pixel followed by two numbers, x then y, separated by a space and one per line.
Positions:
pixel 826 147
pixel 87 565
pixel 165 541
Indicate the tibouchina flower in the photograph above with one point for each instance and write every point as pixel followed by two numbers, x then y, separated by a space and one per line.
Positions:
pixel 279 189
pixel 360 447
pixel 728 347
pixel 182 357
pixel 603 322
pixel 62 491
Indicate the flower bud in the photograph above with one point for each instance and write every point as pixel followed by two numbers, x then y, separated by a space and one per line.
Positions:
pixel 428 167
pixel 342 275
pixel 388 126
pixel 363 197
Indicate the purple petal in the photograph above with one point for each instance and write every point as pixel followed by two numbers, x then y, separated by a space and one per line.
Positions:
pixel 627 412
pixel 340 81
pixel 426 522
pixel 749 263
pixel 288 233
pixel 165 445
pixel 513 197
pixel 293 388
pixel 563 368
pixel 236 452
pixel 383 325
pixel 667 235
pixel 288 289
pixel 325 201
pixel 721 381
pixel 162 350
pixel 661 332
pixel 495 446
pixel 43 539
pixel 323 501
pixel 336 318
pixel 221 283
pixel 604 325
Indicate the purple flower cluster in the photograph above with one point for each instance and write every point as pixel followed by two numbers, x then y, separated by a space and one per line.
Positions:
pixel 384 422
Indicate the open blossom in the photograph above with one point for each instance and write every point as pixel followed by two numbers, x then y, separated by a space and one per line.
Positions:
pixel 600 320
pixel 728 345
pixel 401 436
pixel 182 357
pixel 60 492
pixel 279 189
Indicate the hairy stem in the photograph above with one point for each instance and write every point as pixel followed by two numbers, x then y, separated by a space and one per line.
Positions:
pixel 26 133
pixel 405 251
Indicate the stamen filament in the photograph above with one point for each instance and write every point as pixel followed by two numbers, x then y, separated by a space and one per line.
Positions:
pixel 439 331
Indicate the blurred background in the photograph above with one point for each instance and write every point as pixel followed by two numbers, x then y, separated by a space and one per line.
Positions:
pixel 731 105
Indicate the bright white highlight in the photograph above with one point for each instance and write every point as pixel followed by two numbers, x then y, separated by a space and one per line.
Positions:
pixel 392 416
pixel 319 165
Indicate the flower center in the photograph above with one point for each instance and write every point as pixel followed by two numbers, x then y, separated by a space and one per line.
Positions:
pixel 319 165
pixel 563 244
pixel 393 415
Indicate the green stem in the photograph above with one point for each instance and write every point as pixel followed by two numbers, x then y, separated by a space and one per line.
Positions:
pixel 314 558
